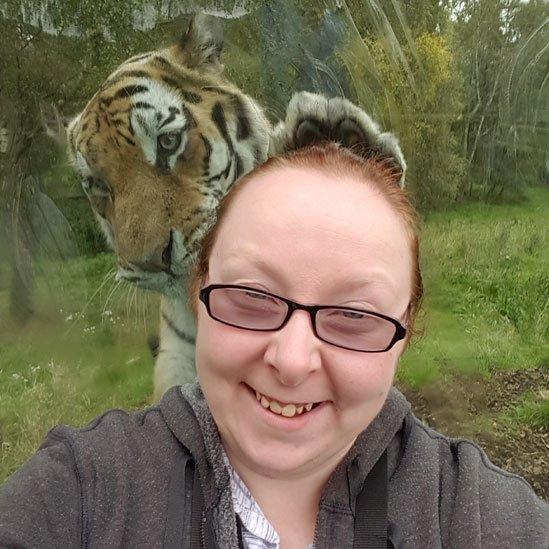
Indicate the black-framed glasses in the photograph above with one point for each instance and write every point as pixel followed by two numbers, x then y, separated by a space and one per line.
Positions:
pixel 260 311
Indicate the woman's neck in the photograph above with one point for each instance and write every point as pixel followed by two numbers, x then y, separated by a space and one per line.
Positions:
pixel 289 502
pixel 290 505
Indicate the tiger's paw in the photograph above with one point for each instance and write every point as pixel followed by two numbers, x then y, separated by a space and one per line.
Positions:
pixel 312 118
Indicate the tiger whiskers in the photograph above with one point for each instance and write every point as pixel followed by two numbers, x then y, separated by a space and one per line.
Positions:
pixel 109 276
pixel 111 293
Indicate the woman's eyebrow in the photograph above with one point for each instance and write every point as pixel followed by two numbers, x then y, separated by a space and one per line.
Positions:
pixel 374 278
pixel 244 260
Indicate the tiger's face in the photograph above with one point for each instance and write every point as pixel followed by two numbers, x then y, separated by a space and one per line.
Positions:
pixel 157 146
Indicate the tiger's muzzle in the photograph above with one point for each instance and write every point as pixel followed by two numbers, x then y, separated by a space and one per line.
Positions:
pixel 162 270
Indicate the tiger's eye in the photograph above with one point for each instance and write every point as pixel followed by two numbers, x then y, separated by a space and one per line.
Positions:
pixel 169 141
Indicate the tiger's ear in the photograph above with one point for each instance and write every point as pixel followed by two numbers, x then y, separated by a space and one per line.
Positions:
pixel 55 124
pixel 202 44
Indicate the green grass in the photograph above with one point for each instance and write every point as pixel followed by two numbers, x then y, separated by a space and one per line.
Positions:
pixel 83 353
pixel 534 409
pixel 486 275
pixel 486 271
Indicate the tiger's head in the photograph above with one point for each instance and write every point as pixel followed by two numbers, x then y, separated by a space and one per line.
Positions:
pixel 157 146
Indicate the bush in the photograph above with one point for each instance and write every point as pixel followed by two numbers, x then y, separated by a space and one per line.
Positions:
pixel 419 100
pixel 431 104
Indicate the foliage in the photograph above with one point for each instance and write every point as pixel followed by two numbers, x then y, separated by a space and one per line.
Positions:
pixel 534 409
pixel 503 57
pixel 483 132
pixel 485 271
pixel 486 284
pixel 420 102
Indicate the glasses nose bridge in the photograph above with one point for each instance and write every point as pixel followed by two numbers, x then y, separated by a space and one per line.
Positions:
pixel 294 306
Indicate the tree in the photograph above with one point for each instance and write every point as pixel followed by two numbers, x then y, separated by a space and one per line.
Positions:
pixel 504 58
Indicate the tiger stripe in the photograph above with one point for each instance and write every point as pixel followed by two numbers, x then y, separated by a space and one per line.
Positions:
pixel 143 194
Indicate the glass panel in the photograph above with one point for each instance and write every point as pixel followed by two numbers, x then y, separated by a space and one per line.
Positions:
pixel 463 83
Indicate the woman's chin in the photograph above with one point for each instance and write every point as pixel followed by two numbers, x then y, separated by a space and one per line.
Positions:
pixel 273 445
pixel 275 460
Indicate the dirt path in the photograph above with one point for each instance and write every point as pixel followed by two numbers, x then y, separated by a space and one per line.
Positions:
pixel 474 408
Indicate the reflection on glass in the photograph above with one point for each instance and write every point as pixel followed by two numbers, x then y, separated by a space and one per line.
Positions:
pixel 463 84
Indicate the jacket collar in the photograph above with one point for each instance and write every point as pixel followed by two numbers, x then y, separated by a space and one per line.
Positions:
pixel 188 417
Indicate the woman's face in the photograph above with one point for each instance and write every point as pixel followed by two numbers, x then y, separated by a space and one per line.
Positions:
pixel 316 239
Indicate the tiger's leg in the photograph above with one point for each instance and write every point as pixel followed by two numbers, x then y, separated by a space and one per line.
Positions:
pixel 175 356
pixel 175 360
pixel 313 118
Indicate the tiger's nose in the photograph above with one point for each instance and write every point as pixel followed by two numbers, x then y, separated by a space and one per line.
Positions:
pixel 159 260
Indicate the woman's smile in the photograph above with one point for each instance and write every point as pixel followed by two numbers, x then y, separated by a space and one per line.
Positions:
pixel 283 407
pixel 288 416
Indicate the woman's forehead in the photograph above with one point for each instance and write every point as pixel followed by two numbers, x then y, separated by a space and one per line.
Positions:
pixel 305 199
pixel 289 184
pixel 313 224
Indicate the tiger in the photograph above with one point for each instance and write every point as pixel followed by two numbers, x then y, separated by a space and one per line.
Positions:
pixel 162 141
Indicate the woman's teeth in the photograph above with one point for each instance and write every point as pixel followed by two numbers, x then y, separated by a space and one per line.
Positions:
pixel 286 410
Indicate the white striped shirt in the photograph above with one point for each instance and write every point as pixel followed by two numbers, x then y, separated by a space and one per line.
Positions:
pixel 257 531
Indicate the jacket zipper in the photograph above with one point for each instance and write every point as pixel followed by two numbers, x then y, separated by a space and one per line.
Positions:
pixel 315 545
pixel 202 537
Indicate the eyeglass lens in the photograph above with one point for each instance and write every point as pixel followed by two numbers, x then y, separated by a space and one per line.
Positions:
pixel 258 311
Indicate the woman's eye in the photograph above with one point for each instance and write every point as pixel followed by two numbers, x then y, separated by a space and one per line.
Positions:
pixel 169 141
pixel 254 295
pixel 343 314
pixel 353 315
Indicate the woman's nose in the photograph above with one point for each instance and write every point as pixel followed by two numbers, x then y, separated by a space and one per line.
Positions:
pixel 294 350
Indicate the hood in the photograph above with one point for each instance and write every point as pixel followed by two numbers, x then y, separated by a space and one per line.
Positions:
pixel 188 417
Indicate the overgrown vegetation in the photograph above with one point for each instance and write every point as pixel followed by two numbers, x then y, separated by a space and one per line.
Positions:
pixel 83 353
pixel 487 287
pixel 464 85
pixel 462 82
pixel 534 409
pixel 86 351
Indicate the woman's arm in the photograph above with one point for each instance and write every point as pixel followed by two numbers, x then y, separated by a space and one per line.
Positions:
pixel 40 505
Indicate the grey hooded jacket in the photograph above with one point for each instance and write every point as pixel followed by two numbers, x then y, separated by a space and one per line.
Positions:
pixel 121 482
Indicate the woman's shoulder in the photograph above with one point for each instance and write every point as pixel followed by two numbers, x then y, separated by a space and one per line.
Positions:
pixel 115 423
pixel 454 456
pixel 476 502
pixel 92 482
pixel 121 435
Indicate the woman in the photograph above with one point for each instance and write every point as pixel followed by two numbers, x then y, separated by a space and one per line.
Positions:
pixel 295 437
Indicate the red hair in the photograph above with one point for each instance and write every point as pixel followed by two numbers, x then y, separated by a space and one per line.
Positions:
pixel 339 161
